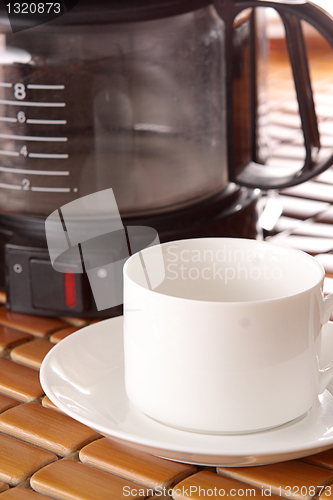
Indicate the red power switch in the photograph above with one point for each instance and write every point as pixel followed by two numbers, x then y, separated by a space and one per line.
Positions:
pixel 70 290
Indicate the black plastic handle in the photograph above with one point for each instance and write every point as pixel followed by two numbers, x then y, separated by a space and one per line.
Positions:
pixel 255 174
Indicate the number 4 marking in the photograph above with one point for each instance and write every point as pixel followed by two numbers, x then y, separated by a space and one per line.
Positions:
pixel 24 151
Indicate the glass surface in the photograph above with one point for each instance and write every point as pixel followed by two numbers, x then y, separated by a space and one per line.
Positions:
pixel 135 107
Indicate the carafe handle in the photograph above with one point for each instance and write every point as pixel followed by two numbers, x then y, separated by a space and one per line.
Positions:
pixel 255 174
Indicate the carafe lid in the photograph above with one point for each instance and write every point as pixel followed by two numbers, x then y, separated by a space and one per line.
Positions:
pixel 87 12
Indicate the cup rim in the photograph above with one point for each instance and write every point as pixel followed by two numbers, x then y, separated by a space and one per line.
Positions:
pixel 226 239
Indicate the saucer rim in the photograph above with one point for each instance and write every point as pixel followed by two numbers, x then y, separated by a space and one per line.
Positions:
pixel 128 438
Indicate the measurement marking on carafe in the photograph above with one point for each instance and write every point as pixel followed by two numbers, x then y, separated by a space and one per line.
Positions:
pixel 33 172
pixel 34 121
pixel 4 152
pixel 49 155
pixel 36 104
pixel 47 122
pixel 51 190
pixel 45 87
pixel 33 138
pixel 19 187
pixel 8 119
pixel 8 85
pixel 10 186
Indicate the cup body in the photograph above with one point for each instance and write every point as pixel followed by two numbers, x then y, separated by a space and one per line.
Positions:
pixel 229 340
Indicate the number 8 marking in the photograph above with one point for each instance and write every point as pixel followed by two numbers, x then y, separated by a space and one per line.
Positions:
pixel 19 91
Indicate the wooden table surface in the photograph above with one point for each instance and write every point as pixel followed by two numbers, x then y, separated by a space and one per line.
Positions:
pixel 45 454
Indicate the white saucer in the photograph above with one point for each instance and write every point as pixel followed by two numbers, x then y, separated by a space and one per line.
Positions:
pixel 84 376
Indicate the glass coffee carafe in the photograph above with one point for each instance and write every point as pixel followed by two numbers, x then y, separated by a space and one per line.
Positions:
pixel 163 111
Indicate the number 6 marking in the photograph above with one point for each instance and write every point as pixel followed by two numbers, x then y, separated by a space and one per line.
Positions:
pixel 21 117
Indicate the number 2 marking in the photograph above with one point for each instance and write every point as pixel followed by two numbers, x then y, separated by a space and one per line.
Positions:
pixel 26 185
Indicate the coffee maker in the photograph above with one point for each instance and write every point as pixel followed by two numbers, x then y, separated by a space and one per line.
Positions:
pixel 163 103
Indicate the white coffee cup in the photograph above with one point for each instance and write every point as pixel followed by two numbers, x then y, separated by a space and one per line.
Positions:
pixel 228 342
